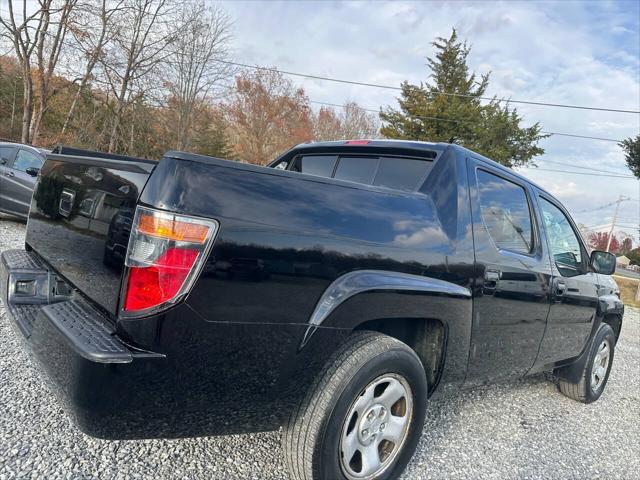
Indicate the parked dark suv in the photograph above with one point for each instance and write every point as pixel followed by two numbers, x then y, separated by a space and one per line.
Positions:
pixel 331 294
pixel 19 167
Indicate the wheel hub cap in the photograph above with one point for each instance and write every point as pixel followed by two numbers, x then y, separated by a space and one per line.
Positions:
pixel 372 424
pixel 376 427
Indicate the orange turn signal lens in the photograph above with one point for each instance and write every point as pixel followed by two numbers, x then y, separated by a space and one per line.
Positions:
pixel 172 229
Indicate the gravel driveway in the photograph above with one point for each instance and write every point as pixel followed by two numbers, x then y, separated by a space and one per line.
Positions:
pixel 524 430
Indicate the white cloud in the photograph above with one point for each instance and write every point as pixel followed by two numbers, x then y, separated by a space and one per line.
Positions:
pixel 565 191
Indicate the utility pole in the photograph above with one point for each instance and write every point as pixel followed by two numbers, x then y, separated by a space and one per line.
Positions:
pixel 615 217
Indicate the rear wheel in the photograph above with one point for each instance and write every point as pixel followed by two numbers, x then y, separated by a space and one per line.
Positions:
pixel 363 416
pixel 596 370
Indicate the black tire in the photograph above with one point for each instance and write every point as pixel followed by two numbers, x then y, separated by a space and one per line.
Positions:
pixel 311 439
pixel 583 391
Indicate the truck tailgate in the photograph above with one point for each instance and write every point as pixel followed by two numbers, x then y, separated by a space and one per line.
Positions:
pixel 80 220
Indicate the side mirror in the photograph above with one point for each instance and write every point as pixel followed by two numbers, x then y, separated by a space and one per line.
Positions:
pixel 3 161
pixel 603 262
pixel 33 171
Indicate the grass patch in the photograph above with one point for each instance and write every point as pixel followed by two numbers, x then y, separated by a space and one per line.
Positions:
pixel 628 288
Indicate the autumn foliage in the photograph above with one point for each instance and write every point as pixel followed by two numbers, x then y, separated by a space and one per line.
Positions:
pixel 599 240
pixel 263 114
pixel 141 77
pixel 266 114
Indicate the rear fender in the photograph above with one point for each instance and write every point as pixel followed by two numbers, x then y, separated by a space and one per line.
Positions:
pixel 364 295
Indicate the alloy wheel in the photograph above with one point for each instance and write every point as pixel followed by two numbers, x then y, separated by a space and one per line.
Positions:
pixel 376 427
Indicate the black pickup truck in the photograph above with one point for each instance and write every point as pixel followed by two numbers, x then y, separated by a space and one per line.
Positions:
pixel 331 293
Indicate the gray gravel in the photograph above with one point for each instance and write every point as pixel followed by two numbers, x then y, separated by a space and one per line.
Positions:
pixel 524 430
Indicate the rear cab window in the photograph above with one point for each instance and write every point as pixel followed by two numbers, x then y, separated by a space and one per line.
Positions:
pixel 319 165
pixel 396 172
pixel 359 169
pixel 401 173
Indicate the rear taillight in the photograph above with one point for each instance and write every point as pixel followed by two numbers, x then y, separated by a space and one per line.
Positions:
pixel 165 254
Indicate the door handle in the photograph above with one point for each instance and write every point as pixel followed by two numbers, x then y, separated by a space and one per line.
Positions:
pixel 9 174
pixel 490 282
pixel 561 288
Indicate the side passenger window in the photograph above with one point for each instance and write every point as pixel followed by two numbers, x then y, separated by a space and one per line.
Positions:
pixel 25 160
pixel 563 242
pixel 505 212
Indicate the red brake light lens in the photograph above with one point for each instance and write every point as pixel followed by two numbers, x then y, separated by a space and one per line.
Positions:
pixel 357 142
pixel 164 256
pixel 160 282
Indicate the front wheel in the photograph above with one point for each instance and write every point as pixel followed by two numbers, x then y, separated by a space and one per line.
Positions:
pixel 363 416
pixel 596 370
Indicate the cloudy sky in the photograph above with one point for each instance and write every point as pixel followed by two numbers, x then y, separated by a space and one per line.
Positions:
pixel 570 52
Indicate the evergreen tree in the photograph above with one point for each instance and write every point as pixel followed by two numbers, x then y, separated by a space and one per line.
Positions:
pixel 631 147
pixel 213 139
pixel 450 109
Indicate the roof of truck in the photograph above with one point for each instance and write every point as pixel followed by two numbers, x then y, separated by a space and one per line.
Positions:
pixel 418 145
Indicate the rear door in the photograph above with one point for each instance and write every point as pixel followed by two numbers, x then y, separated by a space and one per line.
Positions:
pixel 574 287
pixel 18 184
pixel 6 159
pixel 513 274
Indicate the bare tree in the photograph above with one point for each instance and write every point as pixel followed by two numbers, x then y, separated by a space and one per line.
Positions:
pixel 54 23
pixel 195 70
pixel 92 28
pixel 138 47
pixel 358 123
pixel 27 33
pixel 351 122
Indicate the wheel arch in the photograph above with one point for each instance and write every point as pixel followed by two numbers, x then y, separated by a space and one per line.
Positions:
pixel 615 321
pixel 427 337
pixel 431 316
pixel 611 311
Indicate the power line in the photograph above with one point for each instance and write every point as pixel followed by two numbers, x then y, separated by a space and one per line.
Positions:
pixel 422 117
pixel 608 225
pixel 581 167
pixel 631 177
pixel 602 207
pixel 391 87
pixel 581 136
